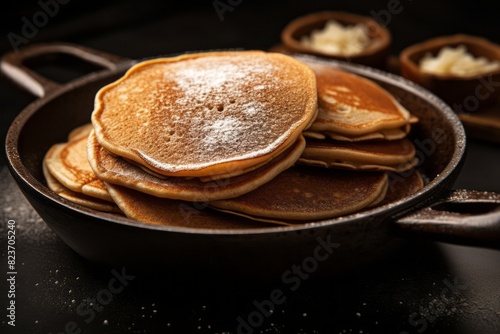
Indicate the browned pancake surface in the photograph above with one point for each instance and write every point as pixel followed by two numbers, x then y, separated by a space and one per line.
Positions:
pixel 386 149
pixel 383 134
pixel 206 114
pixel 167 212
pixel 306 193
pixel 116 170
pixel 68 163
pixel 80 132
pixel 403 185
pixel 73 196
pixel 353 106
pixel 396 155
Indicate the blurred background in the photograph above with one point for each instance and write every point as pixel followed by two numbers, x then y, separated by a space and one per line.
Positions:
pixel 111 25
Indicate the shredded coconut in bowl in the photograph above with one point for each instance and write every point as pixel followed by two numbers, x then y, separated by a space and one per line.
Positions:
pixel 337 39
pixel 457 61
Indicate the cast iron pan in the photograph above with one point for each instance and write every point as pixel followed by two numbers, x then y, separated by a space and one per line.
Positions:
pixel 462 216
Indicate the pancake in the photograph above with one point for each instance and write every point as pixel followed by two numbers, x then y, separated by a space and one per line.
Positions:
pixel 80 132
pixel 75 197
pixel 68 163
pixel 116 170
pixel 395 156
pixel 206 114
pixel 304 193
pixel 205 178
pixel 384 134
pixel 352 106
pixel 403 185
pixel 168 212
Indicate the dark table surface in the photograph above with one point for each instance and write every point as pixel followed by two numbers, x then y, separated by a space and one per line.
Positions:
pixel 425 287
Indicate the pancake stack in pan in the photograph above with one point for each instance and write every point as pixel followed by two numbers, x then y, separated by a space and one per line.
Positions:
pixel 68 173
pixel 358 136
pixel 202 127
pixel 359 126
pixel 216 140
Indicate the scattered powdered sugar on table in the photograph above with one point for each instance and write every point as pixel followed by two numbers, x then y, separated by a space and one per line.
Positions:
pixel 29 225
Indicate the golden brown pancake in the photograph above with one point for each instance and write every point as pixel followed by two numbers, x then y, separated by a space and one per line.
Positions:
pixel 80 132
pixel 68 163
pixel 206 114
pixel 75 197
pixel 304 193
pixel 403 185
pixel 204 179
pixel 118 171
pixel 352 106
pixel 384 134
pixel 395 155
pixel 168 212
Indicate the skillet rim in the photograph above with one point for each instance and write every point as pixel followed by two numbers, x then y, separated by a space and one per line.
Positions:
pixel 20 172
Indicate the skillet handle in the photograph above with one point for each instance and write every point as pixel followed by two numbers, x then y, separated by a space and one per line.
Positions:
pixel 12 64
pixel 465 217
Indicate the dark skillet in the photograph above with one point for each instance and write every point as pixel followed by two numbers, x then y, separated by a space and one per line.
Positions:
pixel 464 216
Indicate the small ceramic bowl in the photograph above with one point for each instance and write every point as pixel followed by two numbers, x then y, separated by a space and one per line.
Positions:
pixel 374 55
pixel 464 94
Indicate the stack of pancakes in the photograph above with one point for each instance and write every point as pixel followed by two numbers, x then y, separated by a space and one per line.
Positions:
pixel 68 173
pixel 202 127
pixel 359 125
pixel 176 138
pixel 358 136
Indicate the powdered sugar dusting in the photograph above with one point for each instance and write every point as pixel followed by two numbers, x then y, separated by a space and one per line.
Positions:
pixel 223 131
pixel 253 108
pixel 204 111
pixel 206 79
